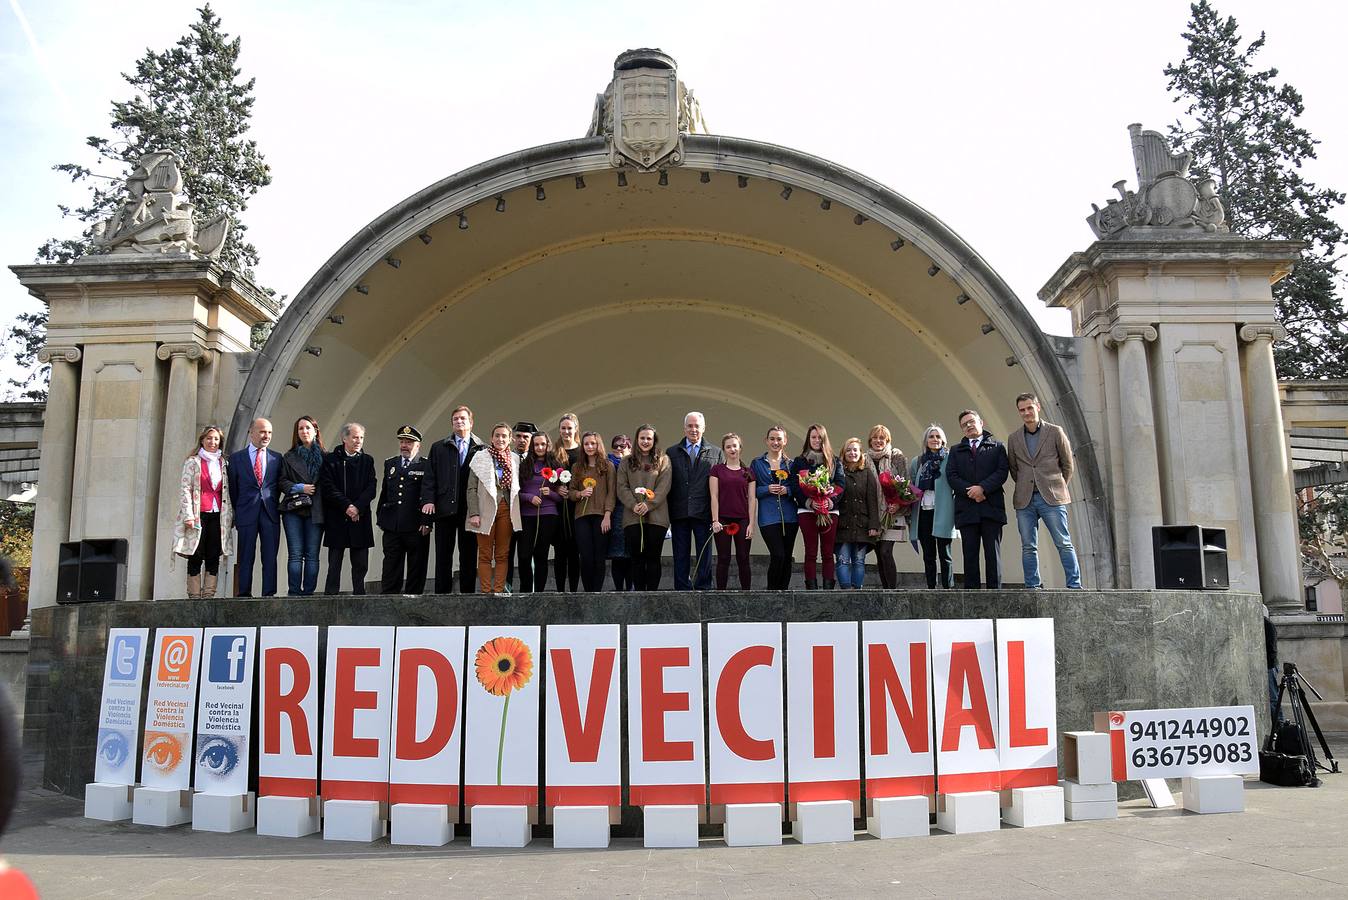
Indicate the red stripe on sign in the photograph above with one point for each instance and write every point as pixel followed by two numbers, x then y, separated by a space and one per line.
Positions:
pixel 968 781
pixel 1118 753
pixel 667 794
pixel 355 790
pixel 807 791
pixel 763 792
pixel 435 794
pixel 901 786
pixel 585 795
pixel 272 786
pixel 1023 778
pixel 500 794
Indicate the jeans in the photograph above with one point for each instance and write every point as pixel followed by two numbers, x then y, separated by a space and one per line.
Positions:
pixel 592 545
pixel 303 536
pixel 934 549
pixel 1055 518
pixel 817 539
pixel 691 535
pixel 852 564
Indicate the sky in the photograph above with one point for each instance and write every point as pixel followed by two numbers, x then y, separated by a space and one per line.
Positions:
pixel 1006 120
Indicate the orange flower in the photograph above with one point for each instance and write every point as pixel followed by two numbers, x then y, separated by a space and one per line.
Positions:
pixel 504 664
pixel 588 483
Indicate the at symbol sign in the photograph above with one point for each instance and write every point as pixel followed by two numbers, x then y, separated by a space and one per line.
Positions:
pixel 176 654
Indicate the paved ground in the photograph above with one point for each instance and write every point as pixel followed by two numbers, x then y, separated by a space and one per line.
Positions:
pixel 1288 843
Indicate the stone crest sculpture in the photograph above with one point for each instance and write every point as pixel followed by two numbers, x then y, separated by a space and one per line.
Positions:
pixel 1166 197
pixel 645 111
pixel 154 219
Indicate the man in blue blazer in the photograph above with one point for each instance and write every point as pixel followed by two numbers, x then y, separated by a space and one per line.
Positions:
pixel 690 462
pixel 255 491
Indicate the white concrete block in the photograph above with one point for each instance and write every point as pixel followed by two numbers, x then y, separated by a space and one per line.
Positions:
pixel 290 817
pixel 1035 806
pixel 161 807
pixel 107 802
pixel 1214 793
pixel 500 826
pixel 420 824
pixel 753 824
pixel 970 812
pixel 823 822
pixel 1087 757
pixel 895 817
pixel 1088 793
pixel 669 826
pixel 224 813
pixel 580 827
pixel 352 820
pixel 1091 809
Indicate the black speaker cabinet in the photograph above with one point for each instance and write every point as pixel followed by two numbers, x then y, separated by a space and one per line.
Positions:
pixel 68 573
pixel 1189 557
pixel 103 570
pixel 1216 576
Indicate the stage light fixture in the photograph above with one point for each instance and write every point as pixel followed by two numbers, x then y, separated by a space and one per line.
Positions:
pixel 825 203
pixel 336 320
pixel 859 219
pixel 425 238
pixel 313 350
pixel 743 181
pixel 362 289
pixel 463 221
pixel 1010 361
pixel 706 178
pixel 786 192
pixel 622 179
pixel 293 382
pixel 664 177
pixel 962 299
pixel 933 270
pixel 500 204
pixel 580 182
pixel 988 328
pixel 538 192
pixel 393 261
pixel 896 244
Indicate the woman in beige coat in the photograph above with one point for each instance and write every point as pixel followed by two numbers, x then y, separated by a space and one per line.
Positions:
pixel 643 490
pixel 493 506
pixel 203 530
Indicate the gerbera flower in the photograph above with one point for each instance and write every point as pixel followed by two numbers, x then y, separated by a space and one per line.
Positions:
pixel 732 529
pixel 504 664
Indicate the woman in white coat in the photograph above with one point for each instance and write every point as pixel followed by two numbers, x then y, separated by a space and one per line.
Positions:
pixel 203 530
pixel 493 506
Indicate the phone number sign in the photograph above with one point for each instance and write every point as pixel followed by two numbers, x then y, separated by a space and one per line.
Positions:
pixel 1173 743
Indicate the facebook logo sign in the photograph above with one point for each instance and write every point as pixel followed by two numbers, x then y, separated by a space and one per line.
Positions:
pixel 125 657
pixel 227 655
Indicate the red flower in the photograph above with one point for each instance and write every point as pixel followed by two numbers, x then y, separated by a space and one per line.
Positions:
pixel 548 473
pixel 732 529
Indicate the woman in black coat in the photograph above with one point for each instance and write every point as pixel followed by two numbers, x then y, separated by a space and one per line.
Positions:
pixel 348 483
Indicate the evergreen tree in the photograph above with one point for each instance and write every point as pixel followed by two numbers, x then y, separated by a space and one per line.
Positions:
pixel 1242 129
pixel 188 99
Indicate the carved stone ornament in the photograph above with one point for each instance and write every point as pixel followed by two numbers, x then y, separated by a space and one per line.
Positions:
pixel 187 351
pixel 1166 197
pixel 1271 332
pixel 1120 334
pixel 66 354
pixel 645 111
pixel 154 219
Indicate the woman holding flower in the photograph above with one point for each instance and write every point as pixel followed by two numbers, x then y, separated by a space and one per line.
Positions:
pixel 776 507
pixel 643 489
pixel 935 514
pixel 566 560
pixel 493 506
pixel 858 515
pixel 592 492
pixel 886 458
pixel 817 514
pixel 539 506
pixel 734 506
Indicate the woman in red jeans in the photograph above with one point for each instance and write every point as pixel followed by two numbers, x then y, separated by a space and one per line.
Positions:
pixel 816 452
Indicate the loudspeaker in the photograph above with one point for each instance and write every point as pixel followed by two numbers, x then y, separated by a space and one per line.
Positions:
pixel 103 570
pixel 68 573
pixel 1177 553
pixel 1216 576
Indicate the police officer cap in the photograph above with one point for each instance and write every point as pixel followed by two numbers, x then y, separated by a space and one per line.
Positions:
pixel 409 431
pixel 526 426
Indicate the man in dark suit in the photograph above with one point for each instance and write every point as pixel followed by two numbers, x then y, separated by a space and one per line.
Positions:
pixel 977 470
pixel 442 496
pixel 347 482
pixel 254 477
pixel 407 542
pixel 690 463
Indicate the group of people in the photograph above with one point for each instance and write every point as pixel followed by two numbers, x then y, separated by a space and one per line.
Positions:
pixel 510 501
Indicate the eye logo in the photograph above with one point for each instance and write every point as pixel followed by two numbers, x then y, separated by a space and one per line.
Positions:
pixel 218 755
pixel 175 659
pixel 1116 720
pixel 227 655
pixel 125 657
pixel 163 751
pixel 113 747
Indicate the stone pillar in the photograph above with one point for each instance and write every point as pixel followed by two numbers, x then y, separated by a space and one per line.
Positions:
pixel 1140 462
pixel 180 431
pixel 1271 489
pixel 56 464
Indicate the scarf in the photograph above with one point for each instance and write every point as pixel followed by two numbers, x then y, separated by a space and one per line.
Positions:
pixel 212 465
pixel 502 459
pixel 814 457
pixel 312 457
pixel 929 468
pixel 883 460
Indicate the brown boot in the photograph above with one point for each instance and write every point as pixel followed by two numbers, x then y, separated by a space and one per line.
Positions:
pixel 193 587
pixel 208 585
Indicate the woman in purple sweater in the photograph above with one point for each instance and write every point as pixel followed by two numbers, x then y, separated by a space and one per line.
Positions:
pixel 539 507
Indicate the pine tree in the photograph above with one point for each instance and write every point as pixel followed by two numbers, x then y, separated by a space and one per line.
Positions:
pixel 188 99
pixel 1241 126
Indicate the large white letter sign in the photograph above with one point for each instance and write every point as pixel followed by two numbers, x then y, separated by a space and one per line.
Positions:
pixel 119 711
pixel 170 712
pixel 821 691
pixel 501 767
pixel 287 763
pixel 664 715
pixel 226 703
pixel 896 665
pixel 428 681
pixel 964 673
pixel 584 747
pixel 357 711
pixel 744 678
pixel 1027 705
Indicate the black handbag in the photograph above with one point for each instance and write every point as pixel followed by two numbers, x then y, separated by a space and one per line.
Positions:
pixel 300 502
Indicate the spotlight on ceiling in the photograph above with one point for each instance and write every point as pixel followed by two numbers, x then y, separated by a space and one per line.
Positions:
pixel 336 320
pixel 293 382
pixel 622 179
pixel 786 192
pixel 743 180
pixel 896 244
pixel 362 289
pixel 825 203
pixel 393 261
pixel 988 328
pixel 859 219
pixel 538 192
pixel 313 350
pixel 463 221
pixel 706 178
pixel 1010 361
pixel 933 270
pixel 580 182
pixel 664 177
pixel 500 204
pixel 425 238
pixel 962 299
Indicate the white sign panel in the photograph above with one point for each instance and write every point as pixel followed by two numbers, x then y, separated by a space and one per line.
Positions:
pixel 357 712
pixel 744 681
pixel 821 691
pixel 896 670
pixel 119 711
pixel 1027 706
pixel 964 697
pixel 287 763
pixel 1173 743
pixel 170 711
pixel 501 755
pixel 584 729
pixel 664 712
pixel 226 704
pixel 428 685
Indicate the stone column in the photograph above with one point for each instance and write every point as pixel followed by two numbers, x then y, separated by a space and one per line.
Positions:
pixel 1271 490
pixel 1142 481
pixel 180 431
pixel 56 465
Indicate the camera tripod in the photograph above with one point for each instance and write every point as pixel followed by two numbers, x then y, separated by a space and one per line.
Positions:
pixel 1293 687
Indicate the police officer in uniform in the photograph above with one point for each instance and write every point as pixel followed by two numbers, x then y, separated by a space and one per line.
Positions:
pixel 406 529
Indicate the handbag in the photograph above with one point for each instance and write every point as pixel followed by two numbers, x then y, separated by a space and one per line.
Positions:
pixel 300 502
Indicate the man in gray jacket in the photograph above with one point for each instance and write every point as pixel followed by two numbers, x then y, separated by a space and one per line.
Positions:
pixel 1041 464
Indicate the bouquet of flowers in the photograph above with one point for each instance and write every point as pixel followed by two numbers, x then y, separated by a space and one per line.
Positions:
pixel 818 486
pixel 900 495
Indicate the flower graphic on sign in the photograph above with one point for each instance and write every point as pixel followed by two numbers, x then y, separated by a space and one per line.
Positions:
pixel 504 665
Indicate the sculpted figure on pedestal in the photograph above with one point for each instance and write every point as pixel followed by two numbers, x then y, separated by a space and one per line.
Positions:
pixel 1166 198
pixel 153 218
